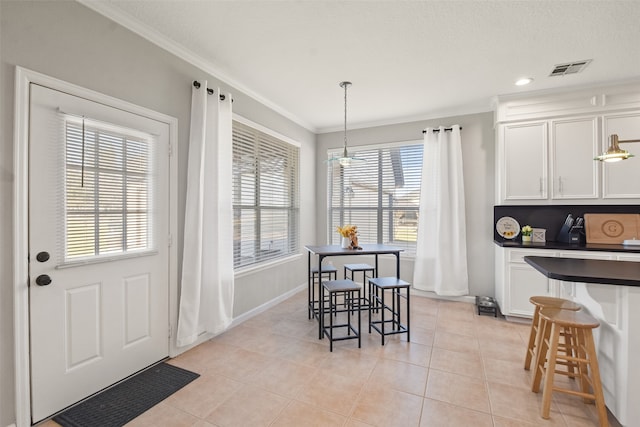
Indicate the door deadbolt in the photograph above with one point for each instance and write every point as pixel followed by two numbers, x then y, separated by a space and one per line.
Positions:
pixel 42 256
pixel 43 280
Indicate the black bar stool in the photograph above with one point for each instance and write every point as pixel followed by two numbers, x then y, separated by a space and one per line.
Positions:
pixel 377 289
pixel 359 268
pixel 330 273
pixel 364 269
pixel 348 290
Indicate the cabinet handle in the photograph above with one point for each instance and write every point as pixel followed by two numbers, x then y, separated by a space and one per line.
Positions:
pixel 541 193
pixel 560 187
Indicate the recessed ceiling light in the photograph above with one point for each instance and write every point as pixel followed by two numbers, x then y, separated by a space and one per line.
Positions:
pixel 524 81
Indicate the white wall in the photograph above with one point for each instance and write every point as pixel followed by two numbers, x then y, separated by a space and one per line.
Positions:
pixel 478 160
pixel 70 42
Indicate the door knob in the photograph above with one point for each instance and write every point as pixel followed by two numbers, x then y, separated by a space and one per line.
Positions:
pixel 42 256
pixel 43 280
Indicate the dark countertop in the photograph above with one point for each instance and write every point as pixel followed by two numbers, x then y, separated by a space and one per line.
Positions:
pixel 568 246
pixel 600 271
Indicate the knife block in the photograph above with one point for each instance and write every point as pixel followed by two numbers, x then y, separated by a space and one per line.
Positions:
pixel 571 234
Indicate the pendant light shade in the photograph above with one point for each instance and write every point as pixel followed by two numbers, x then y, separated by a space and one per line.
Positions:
pixel 345 159
pixel 614 153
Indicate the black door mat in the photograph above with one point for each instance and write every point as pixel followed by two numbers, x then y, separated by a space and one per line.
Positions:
pixel 123 402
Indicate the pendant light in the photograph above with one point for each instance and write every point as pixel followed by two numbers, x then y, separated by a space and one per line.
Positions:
pixel 614 153
pixel 345 160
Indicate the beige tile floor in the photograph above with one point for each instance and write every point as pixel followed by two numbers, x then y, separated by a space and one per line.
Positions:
pixel 459 369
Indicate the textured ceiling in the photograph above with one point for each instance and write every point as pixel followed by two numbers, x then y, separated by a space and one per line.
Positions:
pixel 408 60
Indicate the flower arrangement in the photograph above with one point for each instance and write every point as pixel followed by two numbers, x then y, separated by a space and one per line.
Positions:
pixel 348 230
pixel 527 230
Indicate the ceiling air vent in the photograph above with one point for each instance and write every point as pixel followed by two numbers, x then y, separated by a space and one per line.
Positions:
pixel 569 68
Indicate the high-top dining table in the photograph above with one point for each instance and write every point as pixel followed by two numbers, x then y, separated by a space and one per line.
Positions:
pixel 325 251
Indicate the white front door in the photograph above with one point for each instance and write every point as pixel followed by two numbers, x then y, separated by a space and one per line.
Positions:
pixel 98 246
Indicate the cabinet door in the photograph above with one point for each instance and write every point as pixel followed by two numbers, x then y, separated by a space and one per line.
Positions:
pixel 574 144
pixel 524 161
pixel 525 282
pixel 621 180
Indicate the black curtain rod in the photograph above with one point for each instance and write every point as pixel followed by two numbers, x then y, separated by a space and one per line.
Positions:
pixel 196 84
pixel 438 130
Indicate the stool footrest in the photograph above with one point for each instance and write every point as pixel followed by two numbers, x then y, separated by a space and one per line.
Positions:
pixel 350 329
pixel 401 329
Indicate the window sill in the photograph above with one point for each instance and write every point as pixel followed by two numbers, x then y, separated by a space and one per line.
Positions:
pixel 246 271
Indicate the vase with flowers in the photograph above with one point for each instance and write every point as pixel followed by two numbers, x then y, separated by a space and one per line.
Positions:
pixel 526 234
pixel 349 235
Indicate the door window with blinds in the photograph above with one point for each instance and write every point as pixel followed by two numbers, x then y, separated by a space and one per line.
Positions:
pixel 108 190
pixel 381 196
pixel 265 195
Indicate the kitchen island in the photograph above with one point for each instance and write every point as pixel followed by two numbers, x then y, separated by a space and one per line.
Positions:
pixel 610 291
pixel 608 272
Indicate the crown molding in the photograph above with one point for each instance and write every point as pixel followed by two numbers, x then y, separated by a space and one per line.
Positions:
pixel 118 16
pixel 476 108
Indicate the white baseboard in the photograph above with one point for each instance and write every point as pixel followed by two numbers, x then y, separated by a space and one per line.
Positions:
pixel 429 294
pixel 267 305
pixel 242 318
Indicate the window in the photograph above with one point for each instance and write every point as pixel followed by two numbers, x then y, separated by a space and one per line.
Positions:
pixel 265 195
pixel 108 181
pixel 380 196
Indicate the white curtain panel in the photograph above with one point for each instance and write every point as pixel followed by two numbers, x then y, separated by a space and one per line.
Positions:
pixel 441 251
pixel 207 287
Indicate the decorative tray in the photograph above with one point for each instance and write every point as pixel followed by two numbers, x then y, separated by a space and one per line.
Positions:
pixel 508 227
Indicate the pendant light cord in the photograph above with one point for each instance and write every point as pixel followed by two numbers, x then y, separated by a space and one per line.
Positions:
pixel 345 85
pixel 345 114
pixel 82 173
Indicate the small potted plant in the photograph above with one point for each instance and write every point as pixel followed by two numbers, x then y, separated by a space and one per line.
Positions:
pixel 349 235
pixel 526 234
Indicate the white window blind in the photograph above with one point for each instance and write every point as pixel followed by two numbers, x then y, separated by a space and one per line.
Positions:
pixel 108 190
pixel 380 196
pixel 265 196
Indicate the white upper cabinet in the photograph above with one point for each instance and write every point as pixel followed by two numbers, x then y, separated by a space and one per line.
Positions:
pixel 621 180
pixel 524 166
pixel 573 145
pixel 547 144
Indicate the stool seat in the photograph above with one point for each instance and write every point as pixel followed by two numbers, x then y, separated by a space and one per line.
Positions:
pixel 552 302
pixel 340 285
pixel 359 267
pixel 567 318
pixel 578 352
pixel 389 282
pixel 540 302
pixel 325 269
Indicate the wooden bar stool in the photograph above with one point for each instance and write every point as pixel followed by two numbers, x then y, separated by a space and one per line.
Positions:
pixel 583 355
pixel 348 290
pixel 541 302
pixel 330 273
